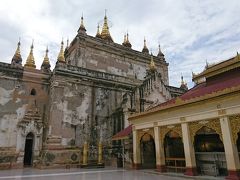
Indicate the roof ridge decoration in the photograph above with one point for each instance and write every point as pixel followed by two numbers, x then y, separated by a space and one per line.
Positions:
pixel 30 59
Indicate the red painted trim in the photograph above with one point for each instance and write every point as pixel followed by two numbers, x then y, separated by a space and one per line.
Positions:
pixel 233 175
pixel 161 168
pixel 191 171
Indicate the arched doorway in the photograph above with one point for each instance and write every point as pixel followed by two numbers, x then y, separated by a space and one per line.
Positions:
pixel 148 154
pixel 174 152
pixel 210 153
pixel 28 150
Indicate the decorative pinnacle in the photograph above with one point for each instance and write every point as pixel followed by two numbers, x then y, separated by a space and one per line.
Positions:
pixel 30 60
pixel 98 32
pixel 46 59
pixel 160 51
pixel 105 34
pixel 61 57
pixel 145 49
pixel 152 65
pixel 17 58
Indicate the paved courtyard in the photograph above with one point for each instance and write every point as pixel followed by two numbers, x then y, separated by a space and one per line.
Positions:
pixel 83 174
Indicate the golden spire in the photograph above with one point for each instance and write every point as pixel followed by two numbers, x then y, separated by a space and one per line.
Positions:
pixel 145 49
pixel 30 60
pixel 98 32
pixel 17 58
pixel 61 57
pixel 82 28
pixel 152 65
pixel 105 34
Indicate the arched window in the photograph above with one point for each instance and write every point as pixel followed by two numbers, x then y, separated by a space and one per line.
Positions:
pixel 33 92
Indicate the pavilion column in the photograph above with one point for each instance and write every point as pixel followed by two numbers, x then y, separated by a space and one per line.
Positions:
pixel 231 151
pixel 160 157
pixel 189 151
pixel 136 151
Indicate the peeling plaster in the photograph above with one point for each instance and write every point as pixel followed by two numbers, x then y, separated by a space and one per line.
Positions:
pixel 21 111
pixel 5 96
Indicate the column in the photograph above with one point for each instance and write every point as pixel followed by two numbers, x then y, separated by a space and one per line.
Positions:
pixel 160 157
pixel 188 151
pixel 231 151
pixel 100 160
pixel 85 154
pixel 136 151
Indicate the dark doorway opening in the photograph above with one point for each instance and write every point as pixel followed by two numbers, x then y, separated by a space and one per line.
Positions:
pixel 174 152
pixel 210 153
pixel 238 144
pixel 148 152
pixel 28 151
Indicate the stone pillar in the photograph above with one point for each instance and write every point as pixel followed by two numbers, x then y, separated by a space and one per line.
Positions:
pixel 189 151
pixel 231 151
pixel 160 157
pixel 100 153
pixel 85 154
pixel 136 151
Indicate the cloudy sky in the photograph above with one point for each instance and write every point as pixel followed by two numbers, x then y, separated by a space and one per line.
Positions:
pixel 189 31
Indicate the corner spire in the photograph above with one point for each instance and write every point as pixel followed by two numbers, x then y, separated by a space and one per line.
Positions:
pixel 82 28
pixel 105 34
pixel 127 42
pixel 160 54
pixel 46 63
pixel 145 49
pixel 30 59
pixel 61 57
pixel 17 58
pixel 98 35
pixel 124 40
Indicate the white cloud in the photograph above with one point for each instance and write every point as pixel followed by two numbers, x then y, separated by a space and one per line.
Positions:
pixel 190 31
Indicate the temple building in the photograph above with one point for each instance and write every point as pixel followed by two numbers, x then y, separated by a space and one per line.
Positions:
pixel 197 133
pixel 67 116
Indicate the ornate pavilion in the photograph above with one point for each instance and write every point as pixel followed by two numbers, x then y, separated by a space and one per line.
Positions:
pixel 197 133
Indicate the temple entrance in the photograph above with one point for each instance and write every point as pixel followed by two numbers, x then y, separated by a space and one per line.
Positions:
pixel 210 154
pixel 148 154
pixel 174 152
pixel 28 151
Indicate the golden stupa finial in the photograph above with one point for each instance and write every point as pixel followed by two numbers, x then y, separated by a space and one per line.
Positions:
pixel 98 32
pixel 105 34
pixel 30 59
pixel 145 49
pixel 61 57
pixel 152 65
pixel 17 58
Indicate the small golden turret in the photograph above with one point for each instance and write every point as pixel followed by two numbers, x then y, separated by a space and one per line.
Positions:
pixel 98 35
pixel 82 28
pixel 61 57
pixel 105 34
pixel 145 49
pixel 46 63
pixel 30 60
pixel 152 66
pixel 17 58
